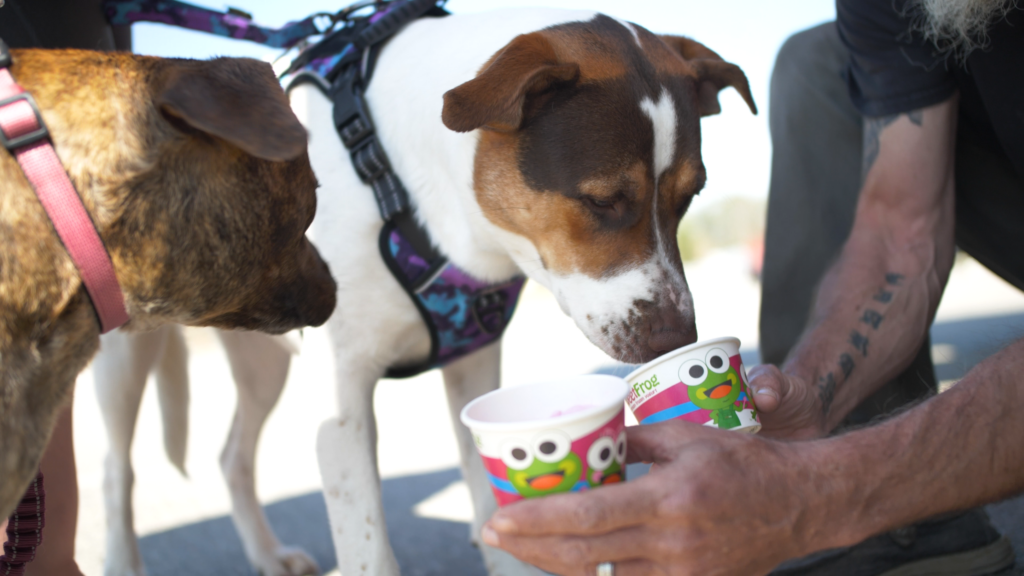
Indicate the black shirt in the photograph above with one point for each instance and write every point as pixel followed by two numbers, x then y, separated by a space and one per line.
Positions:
pixel 893 69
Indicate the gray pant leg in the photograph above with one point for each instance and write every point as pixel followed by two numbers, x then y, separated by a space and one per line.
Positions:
pixel 816 176
pixel 816 162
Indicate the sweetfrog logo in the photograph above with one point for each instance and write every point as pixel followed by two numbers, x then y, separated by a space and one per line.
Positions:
pixel 640 388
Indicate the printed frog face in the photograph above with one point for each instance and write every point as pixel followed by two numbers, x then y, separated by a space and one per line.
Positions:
pixel 712 384
pixel 607 460
pixel 545 466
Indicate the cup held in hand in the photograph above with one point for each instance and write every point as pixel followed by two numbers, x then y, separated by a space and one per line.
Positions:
pixel 547 438
pixel 704 382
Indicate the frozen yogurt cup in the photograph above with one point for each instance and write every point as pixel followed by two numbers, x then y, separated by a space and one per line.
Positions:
pixel 704 383
pixel 552 437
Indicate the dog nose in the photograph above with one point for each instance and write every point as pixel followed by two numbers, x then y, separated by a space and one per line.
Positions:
pixel 320 293
pixel 670 330
pixel 668 340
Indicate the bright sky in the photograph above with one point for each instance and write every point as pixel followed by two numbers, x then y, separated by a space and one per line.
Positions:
pixel 736 146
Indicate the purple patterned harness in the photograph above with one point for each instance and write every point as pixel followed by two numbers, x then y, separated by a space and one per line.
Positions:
pixel 462 314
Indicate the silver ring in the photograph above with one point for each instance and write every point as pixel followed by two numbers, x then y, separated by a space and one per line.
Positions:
pixel 606 569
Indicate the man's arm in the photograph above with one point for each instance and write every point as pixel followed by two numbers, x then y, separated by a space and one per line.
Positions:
pixel 875 305
pixel 736 505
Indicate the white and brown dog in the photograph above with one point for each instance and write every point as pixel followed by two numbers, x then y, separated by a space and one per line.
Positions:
pixel 562 144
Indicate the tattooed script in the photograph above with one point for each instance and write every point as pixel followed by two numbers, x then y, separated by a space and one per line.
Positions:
pixel 859 341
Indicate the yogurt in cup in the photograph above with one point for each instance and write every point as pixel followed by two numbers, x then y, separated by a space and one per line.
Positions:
pixel 704 383
pixel 551 437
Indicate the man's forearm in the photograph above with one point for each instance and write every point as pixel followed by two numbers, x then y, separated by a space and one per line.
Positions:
pixel 874 307
pixel 958 450
pixel 871 316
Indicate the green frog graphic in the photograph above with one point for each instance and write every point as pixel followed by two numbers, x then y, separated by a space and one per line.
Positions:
pixel 606 459
pixel 713 384
pixel 545 466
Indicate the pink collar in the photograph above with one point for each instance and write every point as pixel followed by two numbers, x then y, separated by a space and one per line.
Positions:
pixel 24 134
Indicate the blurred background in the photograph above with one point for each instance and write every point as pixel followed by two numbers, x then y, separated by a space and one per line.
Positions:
pixel 185 524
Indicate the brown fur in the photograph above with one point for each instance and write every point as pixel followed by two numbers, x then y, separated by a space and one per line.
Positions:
pixel 564 157
pixel 196 177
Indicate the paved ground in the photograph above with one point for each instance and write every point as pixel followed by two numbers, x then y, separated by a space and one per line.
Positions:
pixel 184 524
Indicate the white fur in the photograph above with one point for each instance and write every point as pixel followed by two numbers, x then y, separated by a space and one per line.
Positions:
pixel 632 30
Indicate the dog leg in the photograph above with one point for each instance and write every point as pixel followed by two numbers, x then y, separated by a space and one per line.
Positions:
pixel 347 452
pixel 465 380
pixel 259 364
pixel 120 370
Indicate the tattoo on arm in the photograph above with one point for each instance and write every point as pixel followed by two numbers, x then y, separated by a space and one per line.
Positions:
pixel 858 341
pixel 873 127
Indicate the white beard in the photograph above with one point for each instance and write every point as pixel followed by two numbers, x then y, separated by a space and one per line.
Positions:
pixel 958 26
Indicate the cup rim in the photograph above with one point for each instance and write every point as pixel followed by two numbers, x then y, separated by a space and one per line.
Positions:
pixel 482 426
pixel 678 351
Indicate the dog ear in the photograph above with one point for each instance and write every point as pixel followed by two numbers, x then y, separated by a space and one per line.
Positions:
pixel 524 70
pixel 713 74
pixel 237 99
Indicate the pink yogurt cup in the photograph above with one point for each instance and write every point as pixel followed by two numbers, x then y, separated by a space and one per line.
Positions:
pixel 552 437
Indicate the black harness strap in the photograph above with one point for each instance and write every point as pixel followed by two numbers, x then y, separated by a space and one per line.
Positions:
pixel 356 130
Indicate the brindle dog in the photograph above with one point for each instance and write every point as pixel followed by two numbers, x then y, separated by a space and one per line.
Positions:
pixel 196 177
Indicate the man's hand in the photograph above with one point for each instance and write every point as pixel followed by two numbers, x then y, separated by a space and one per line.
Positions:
pixel 716 503
pixel 787 406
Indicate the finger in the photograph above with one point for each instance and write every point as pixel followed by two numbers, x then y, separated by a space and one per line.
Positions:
pixel 577 554
pixel 592 512
pixel 661 442
pixel 645 443
pixel 767 387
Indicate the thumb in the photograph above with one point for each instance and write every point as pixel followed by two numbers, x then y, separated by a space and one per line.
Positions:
pixel 767 387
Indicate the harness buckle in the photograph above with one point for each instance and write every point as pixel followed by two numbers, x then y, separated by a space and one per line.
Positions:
pixel 31 137
pixel 350 117
pixel 369 160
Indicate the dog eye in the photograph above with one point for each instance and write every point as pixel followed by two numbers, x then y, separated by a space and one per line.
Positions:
pixel 604 205
pixel 601 454
pixel 693 372
pixel 516 455
pixel 552 447
pixel 717 361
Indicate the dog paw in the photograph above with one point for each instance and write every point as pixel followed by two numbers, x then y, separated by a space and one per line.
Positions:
pixel 288 561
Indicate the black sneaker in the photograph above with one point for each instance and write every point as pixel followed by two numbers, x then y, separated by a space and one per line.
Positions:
pixel 963 545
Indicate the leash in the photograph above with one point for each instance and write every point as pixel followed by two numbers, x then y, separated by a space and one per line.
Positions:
pixel 24 530
pixel 23 133
pixel 234 23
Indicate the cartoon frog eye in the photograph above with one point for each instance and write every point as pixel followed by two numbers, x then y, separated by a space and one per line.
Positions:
pixel 551 447
pixel 620 448
pixel 693 372
pixel 601 454
pixel 717 360
pixel 516 455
